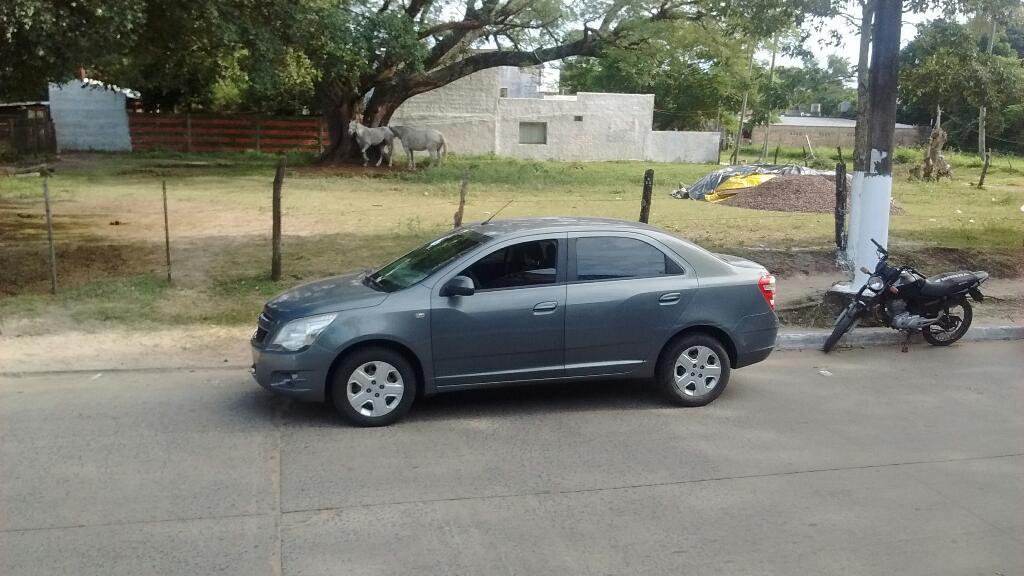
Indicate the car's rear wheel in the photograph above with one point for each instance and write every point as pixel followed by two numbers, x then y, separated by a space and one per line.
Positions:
pixel 373 387
pixel 693 370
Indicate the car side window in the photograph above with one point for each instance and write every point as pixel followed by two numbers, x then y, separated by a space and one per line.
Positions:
pixel 611 257
pixel 531 263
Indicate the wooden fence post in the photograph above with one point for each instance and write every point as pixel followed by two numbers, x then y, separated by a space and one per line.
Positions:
pixel 645 198
pixel 840 212
pixel 462 200
pixel 320 136
pixel 188 132
pixel 259 126
pixel 275 257
pixel 167 235
pixel 839 149
pixel 49 231
pixel 984 168
pixel 776 161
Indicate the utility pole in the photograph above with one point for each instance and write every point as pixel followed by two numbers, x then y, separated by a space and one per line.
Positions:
pixel 873 198
pixel 861 131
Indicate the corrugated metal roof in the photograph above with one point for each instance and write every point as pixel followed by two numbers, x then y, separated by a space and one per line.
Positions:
pixel 819 122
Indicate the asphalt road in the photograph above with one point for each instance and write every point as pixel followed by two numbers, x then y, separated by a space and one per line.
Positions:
pixel 893 464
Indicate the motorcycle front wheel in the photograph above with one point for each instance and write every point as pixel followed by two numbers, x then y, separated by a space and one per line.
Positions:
pixel 952 326
pixel 843 324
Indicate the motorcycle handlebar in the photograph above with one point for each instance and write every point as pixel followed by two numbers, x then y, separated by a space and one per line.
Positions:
pixel 879 246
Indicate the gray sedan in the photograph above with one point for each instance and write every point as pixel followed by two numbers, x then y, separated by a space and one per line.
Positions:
pixel 519 301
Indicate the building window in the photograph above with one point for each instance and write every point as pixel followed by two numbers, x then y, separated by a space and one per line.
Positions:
pixel 533 132
pixel 503 92
pixel 578 118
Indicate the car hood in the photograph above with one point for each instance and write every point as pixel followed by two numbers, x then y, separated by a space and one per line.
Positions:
pixel 334 294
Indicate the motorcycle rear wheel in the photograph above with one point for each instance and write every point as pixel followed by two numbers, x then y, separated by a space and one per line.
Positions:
pixel 843 324
pixel 952 328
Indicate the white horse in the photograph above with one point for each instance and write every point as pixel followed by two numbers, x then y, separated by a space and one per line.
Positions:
pixel 421 139
pixel 367 137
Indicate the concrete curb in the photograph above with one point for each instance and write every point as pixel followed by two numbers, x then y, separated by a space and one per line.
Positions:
pixel 814 339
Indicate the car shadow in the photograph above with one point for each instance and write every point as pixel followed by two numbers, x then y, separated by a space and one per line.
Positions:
pixel 504 402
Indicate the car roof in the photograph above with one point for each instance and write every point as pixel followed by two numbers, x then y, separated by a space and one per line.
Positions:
pixel 517 227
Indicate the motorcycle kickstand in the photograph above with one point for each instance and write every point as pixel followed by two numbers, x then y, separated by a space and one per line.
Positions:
pixel 906 342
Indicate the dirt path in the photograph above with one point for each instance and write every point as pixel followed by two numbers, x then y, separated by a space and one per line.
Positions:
pixel 122 349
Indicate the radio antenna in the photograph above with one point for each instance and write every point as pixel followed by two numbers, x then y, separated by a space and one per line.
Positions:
pixel 491 217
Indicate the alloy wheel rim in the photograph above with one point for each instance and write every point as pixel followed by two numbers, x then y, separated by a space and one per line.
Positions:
pixel 375 388
pixel 697 371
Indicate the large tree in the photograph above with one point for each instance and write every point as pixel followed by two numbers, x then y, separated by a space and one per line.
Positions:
pixel 947 65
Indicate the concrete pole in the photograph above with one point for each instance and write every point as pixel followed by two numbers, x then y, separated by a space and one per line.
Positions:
pixel 861 132
pixel 876 194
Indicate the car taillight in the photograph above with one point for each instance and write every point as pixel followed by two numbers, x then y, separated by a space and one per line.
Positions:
pixel 767 285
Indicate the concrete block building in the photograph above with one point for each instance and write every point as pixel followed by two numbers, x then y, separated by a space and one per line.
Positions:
pixel 502 111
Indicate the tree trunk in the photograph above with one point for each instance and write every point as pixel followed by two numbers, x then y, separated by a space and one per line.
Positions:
pixel 339 107
pixel 743 108
pixel 861 132
pixel 771 82
pixel 382 106
pixel 982 110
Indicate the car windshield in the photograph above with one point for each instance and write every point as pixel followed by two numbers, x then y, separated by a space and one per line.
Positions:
pixel 424 261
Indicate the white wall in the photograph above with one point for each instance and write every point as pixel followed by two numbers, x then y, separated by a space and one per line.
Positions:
pixel 613 126
pixel 465 111
pixel 476 120
pixel 89 117
pixel 695 147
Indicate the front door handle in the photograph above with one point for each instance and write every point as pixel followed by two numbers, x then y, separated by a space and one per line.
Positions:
pixel 545 307
pixel 670 298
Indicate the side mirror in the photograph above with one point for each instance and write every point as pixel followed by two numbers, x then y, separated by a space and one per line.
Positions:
pixel 865 270
pixel 459 286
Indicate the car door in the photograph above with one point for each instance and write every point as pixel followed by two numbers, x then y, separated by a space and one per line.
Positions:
pixel 625 296
pixel 512 328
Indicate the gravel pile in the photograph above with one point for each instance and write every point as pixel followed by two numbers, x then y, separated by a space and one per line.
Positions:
pixel 792 194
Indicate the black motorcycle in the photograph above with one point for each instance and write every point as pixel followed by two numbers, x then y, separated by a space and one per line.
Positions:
pixel 903 299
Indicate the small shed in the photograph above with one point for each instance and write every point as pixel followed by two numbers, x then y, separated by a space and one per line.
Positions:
pixel 26 129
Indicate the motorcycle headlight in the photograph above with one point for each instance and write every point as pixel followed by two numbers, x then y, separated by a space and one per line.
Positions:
pixel 301 333
pixel 875 284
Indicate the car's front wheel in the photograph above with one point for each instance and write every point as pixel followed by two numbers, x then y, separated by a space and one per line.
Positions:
pixel 373 387
pixel 693 370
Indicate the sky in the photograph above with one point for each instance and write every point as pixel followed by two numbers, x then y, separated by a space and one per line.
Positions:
pixel 820 42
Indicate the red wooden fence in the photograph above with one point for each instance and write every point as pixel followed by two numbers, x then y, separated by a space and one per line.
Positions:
pixel 207 133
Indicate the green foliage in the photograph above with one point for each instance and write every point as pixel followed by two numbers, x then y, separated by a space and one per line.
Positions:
pixel 813 84
pixel 946 65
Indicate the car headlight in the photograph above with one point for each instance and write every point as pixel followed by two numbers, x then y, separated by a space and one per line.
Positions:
pixel 875 284
pixel 300 333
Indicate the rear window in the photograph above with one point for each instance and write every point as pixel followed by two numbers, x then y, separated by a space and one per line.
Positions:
pixel 611 257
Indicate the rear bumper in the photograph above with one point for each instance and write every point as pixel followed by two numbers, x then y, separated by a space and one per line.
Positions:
pixel 755 338
pixel 299 375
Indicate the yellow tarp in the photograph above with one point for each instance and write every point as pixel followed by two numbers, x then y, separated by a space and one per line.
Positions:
pixel 725 189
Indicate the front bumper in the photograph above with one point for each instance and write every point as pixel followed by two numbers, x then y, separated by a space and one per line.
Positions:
pixel 300 375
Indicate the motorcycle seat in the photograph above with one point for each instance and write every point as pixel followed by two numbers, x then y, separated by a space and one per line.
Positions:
pixel 951 282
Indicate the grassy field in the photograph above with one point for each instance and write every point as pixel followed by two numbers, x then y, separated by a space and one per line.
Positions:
pixel 109 226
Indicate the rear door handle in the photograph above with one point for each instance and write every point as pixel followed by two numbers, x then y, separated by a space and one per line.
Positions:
pixel 545 307
pixel 670 298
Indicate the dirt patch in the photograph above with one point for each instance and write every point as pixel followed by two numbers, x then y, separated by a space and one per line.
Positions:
pixel 792 194
pixel 348 170
pixel 26 268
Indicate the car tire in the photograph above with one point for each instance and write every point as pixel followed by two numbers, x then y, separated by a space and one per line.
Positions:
pixel 374 379
pixel 686 363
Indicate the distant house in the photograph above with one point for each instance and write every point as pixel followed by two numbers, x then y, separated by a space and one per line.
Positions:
pixel 90 115
pixel 507 111
pixel 828 132
pixel 26 129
